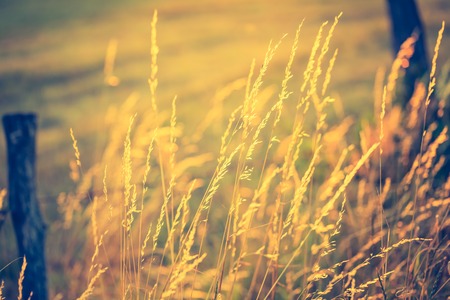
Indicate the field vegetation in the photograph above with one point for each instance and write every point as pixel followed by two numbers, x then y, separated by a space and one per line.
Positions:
pixel 196 172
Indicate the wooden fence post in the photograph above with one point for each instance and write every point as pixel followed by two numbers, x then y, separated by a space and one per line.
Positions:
pixel 405 21
pixel 20 133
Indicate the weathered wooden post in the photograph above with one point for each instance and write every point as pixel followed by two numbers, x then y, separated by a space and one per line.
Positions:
pixel 405 22
pixel 20 133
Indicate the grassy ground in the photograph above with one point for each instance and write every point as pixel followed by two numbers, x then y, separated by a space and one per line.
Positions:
pixel 52 56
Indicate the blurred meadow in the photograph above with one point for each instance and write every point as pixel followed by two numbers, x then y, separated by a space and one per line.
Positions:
pixel 85 65
pixel 52 59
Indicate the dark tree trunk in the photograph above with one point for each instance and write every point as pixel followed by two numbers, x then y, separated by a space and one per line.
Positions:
pixel 20 133
pixel 405 22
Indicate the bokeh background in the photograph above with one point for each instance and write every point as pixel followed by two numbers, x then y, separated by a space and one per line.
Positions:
pixel 52 57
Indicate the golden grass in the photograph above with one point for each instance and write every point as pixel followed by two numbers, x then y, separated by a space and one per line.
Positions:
pixel 262 225
pixel 2 286
pixel 2 199
pixel 21 278
pixel 287 210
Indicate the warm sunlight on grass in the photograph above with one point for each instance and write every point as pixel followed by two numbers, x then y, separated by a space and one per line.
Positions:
pixel 214 156
pixel 52 58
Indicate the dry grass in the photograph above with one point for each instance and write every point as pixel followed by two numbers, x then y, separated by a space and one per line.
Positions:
pixel 287 209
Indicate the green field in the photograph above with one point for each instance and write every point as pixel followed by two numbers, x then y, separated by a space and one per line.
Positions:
pixel 52 57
